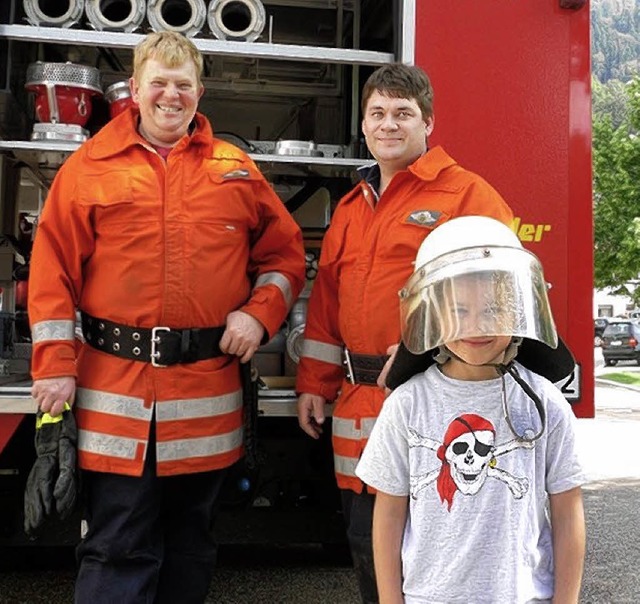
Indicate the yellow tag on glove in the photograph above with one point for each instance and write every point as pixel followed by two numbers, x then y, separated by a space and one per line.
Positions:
pixel 45 418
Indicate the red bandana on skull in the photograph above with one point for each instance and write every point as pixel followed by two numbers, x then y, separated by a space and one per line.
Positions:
pixel 463 424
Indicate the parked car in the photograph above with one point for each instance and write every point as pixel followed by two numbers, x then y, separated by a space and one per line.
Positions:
pixel 599 325
pixel 621 341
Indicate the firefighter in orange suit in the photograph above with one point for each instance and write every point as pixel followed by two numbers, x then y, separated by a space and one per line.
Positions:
pixel 181 261
pixel 353 320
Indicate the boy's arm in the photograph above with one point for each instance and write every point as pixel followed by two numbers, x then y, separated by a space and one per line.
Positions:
pixel 389 519
pixel 568 527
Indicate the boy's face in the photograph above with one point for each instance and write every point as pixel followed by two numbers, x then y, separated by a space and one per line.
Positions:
pixel 481 350
pixel 477 310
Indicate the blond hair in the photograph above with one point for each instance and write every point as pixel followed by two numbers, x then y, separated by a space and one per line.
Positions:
pixel 169 47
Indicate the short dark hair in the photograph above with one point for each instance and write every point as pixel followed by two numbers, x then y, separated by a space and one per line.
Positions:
pixel 401 81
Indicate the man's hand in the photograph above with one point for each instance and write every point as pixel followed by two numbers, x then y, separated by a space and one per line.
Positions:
pixel 242 335
pixel 52 393
pixel 311 413
pixel 382 378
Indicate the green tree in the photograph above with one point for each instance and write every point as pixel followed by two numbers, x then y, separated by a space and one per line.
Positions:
pixel 610 99
pixel 616 164
pixel 615 39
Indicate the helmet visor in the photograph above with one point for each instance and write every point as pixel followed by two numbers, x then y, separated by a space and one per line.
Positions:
pixel 475 292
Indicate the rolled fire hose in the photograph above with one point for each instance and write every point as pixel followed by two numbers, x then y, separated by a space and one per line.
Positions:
pixel 236 20
pixel 53 13
pixel 186 17
pixel 115 15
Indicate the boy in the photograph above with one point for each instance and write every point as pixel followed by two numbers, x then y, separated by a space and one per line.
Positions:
pixel 466 456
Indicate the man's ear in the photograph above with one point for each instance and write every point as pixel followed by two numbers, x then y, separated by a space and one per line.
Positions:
pixel 200 91
pixel 133 87
pixel 429 125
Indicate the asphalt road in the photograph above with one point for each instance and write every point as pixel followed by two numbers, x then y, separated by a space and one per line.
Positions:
pixel 608 445
pixel 310 574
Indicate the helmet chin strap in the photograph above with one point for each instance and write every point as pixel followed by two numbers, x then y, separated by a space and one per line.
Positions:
pixel 528 435
pixel 505 366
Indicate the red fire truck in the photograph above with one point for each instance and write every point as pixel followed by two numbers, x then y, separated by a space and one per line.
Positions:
pixel 282 78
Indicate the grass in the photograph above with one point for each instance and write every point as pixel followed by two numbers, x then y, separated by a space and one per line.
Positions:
pixel 623 378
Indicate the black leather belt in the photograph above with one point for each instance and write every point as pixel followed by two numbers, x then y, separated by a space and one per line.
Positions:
pixel 160 346
pixel 364 368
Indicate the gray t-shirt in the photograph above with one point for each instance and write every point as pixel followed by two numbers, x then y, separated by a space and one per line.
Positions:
pixel 477 529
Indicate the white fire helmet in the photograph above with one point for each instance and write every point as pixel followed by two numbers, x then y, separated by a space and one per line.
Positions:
pixel 473 278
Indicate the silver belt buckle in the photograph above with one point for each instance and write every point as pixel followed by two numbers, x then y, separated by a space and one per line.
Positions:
pixel 155 354
pixel 351 378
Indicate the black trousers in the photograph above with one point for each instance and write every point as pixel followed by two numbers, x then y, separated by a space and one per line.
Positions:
pixel 150 540
pixel 358 515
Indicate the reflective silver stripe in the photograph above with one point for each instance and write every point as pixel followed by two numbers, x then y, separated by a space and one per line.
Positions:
pixel 44 331
pixel 346 428
pixel 107 444
pixel 198 407
pixel 345 465
pixel 186 448
pixel 280 281
pixel 113 404
pixel 320 351
pixel 367 424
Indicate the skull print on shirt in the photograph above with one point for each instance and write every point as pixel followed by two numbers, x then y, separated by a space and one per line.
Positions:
pixel 469 456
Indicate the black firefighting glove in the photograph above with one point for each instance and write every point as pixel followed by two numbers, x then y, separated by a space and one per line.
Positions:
pixel 66 490
pixel 53 477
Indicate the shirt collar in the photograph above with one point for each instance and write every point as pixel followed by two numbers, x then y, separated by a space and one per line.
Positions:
pixel 122 132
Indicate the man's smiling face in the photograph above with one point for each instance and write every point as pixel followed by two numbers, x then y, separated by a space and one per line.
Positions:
pixel 167 98
pixel 395 130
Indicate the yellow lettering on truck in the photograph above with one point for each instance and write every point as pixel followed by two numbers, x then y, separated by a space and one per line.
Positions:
pixel 529 232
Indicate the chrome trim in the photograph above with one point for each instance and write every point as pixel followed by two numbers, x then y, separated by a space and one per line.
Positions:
pixel 155 354
pixel 407 32
pixel 260 50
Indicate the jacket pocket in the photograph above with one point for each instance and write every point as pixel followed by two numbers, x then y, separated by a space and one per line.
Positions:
pixel 114 202
pixel 105 189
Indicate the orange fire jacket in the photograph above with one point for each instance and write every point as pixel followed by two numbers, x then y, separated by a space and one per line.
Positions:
pixel 128 237
pixel 367 255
